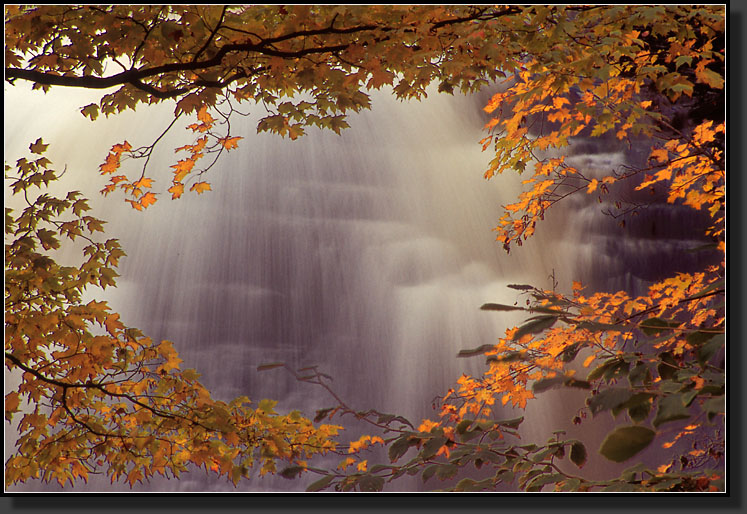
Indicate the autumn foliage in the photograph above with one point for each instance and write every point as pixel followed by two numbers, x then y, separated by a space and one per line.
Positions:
pixel 97 394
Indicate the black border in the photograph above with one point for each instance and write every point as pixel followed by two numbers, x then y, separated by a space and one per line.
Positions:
pixel 458 502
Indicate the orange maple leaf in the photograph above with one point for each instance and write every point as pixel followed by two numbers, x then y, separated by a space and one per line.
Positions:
pixel 230 142
pixel 200 187
pixel 204 116
pixel 122 147
pixel 110 165
pixel 182 168
pixel 135 205
pixel 143 182
pixel 176 190
pixel 148 199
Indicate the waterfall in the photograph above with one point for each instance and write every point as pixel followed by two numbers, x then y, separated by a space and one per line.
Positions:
pixel 367 254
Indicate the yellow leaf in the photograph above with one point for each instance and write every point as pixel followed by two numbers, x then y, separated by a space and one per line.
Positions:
pixel 148 199
pixel 12 401
pixel 230 142
pixel 135 205
pixel 182 168
pixel 200 187
pixel 205 116
pixel 347 462
pixel 176 190
pixel 122 147
pixel 111 164
pixel 143 182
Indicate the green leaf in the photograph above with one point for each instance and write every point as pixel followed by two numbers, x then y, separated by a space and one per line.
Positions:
pixel 399 447
pixel 609 369
pixel 535 326
pixel 447 471
pixel 682 59
pixel 714 406
pixel 320 484
pixel 547 383
pixel 639 407
pixel 609 399
pixel 369 483
pixel 431 447
pixel 698 338
pixel 291 472
pixel 322 413
pixel 520 287
pixel 500 307
pixel 476 351
pixel 429 472
pixel 463 425
pixel 469 485
pixel 578 453
pixel 539 482
pixel 671 408
pixel 653 326
pixel 639 374
pixel 571 485
pixel 570 352
pixel 90 111
pixel 667 367
pixel 708 350
pixel 267 406
pixel 625 442
pixel 511 423
pixel 505 357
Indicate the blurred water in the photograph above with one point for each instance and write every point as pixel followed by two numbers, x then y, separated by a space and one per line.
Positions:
pixel 367 254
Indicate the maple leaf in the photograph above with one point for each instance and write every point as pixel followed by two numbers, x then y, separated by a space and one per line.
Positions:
pixel 38 147
pixel 188 104
pixel 91 111
pixel 200 187
pixel 204 116
pixel 143 183
pixel 111 164
pixel 182 168
pixel 121 147
pixel 12 400
pixel 148 199
pixel 176 190
pixel 135 204
pixel 230 142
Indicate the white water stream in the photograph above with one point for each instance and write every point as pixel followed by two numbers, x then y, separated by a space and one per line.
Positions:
pixel 368 254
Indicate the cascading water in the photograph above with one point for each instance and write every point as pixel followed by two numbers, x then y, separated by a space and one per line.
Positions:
pixel 367 254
